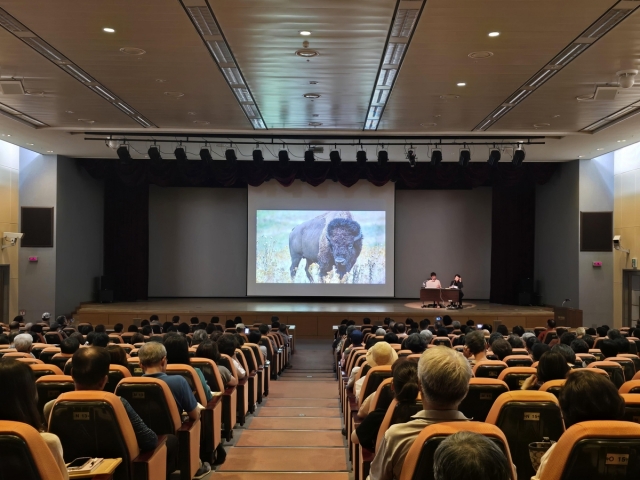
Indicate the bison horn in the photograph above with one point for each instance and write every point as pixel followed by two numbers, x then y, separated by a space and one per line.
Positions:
pixel 359 237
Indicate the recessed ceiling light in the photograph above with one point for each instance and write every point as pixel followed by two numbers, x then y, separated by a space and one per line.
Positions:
pixel 494 34
pixel 34 93
pixel 132 51
pixel 480 55
pixel 201 122
pixel 315 124
pixel 191 113
pixel 311 95
pixel 599 149
pixel 30 144
pixel 307 52
pixel 86 120
pixel 68 111
pixel 540 125
pixel 430 124
pixel 585 98
pixel 305 33
pixel 461 84
pixel 108 30
pixel 174 94
pixel 580 156
pixel 449 96
pixel 620 141
pixel 556 116
pixel 160 80
pixel 49 151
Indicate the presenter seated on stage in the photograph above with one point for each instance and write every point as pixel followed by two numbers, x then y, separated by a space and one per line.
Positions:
pixel 433 282
pixel 457 283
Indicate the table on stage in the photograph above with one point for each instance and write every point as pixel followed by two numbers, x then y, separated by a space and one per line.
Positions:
pixel 437 295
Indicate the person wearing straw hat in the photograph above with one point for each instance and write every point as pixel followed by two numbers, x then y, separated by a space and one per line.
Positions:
pixel 380 354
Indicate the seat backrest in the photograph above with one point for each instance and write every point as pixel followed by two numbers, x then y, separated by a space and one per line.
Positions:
pixel 587 358
pixel 60 360
pixel 115 338
pixel 553 386
pixel 257 354
pixel 628 368
pixel 192 378
pixel 29 360
pixel 393 417
pixel 481 396
pixel 94 424
pixel 597 353
pixel 153 401
pixel 526 416
pixel 127 347
pixel 239 356
pixel 47 354
pixel 249 357
pixel 24 454
pixel 53 338
pixel 549 336
pixel 613 369
pixel 446 341
pixel 514 377
pixel 518 360
pixel 488 369
pixel 127 336
pixel 631 407
pixel 404 353
pixel 40 370
pixel 116 373
pixel 210 371
pixel 225 360
pixel 14 355
pixel 632 386
pixel 418 464
pixel 134 367
pixel 634 358
pixel 384 395
pixel 596 450
pixel 51 387
pixel 374 378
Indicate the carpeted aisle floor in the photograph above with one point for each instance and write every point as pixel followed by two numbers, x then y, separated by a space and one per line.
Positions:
pixel 295 434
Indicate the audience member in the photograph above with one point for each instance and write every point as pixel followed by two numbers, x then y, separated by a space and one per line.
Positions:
pixel 117 328
pixel 475 347
pixel 380 354
pixel 427 335
pixel 19 400
pixel 502 330
pixel 415 342
pixel 568 354
pixel 580 332
pixel 609 348
pixel 444 377
pixel 69 345
pixel 23 343
pixel 132 329
pixel 137 338
pixel 100 339
pixel 515 341
pixel 538 349
pixel 589 340
pixel 501 348
pixel 567 338
pixel 209 349
pixel 586 396
pixel 551 327
pixel 117 354
pixel 552 366
pixel 178 354
pixel 579 346
pixel 199 336
pixel 227 346
pixel 519 331
pixel 468 455
pixel 390 338
pixel 493 337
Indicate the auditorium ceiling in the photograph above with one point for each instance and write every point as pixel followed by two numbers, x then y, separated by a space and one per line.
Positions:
pixel 383 68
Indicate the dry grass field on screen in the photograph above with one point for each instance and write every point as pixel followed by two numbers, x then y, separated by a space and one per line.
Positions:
pixel 273 259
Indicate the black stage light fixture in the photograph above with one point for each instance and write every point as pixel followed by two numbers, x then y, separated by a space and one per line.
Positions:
pixel 383 157
pixel 361 157
pixel 465 157
pixel 436 157
pixel 230 155
pixel 494 157
pixel 257 156
pixel 180 153
pixel 411 156
pixel 309 157
pixel 283 157
pixel 123 153
pixel 334 156
pixel 154 153
pixel 518 157
pixel 205 155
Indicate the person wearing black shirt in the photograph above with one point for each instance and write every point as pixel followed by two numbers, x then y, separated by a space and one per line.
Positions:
pixel 457 282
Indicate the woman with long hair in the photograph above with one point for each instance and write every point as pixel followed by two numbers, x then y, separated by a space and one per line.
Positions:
pixel 19 403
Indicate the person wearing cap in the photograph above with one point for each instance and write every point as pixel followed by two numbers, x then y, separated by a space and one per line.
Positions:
pixel 46 316
pixel 443 376
pixel 380 354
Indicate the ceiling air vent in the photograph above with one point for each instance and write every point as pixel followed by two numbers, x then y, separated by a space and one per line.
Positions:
pixel 11 87
pixel 606 93
pixel 204 20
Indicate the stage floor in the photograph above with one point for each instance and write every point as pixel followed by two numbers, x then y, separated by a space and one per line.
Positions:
pixel 313 318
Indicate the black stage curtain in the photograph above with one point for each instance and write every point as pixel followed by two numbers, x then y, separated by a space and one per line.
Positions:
pixel 126 239
pixel 512 240
pixel 126 230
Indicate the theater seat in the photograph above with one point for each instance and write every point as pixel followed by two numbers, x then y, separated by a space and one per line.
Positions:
pixel 60 360
pixel 514 377
pixel 15 355
pixel 553 386
pixel 481 396
pixel 95 424
pixel 597 450
pixel 613 369
pixel 47 354
pixel 24 454
pixel 631 407
pixel 443 341
pixel 518 361
pixel 40 370
pixel 418 464
pixel 628 367
pixel 51 387
pixel 632 386
pixel 372 381
pixel 116 373
pixel 587 358
pixel 634 358
pixel 53 338
pixel 29 360
pixel 489 369
pixel 153 401
pixel 242 389
pixel 391 418
pixel 526 416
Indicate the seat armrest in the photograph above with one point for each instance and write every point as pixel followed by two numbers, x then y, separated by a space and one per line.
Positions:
pixel 187 426
pixel 214 402
pixel 152 464
pixel 243 381
pixel 229 390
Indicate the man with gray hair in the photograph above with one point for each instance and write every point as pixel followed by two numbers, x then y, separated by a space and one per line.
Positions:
pixel 428 336
pixel 199 336
pixel 23 343
pixel 466 455
pixel 443 375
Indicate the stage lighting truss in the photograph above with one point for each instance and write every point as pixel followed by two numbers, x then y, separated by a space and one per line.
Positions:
pixel 208 28
pixel 401 31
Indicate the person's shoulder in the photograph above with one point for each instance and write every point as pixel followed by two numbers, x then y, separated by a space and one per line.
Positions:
pixel 51 439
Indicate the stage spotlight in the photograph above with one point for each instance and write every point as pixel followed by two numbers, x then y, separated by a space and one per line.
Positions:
pixel 283 157
pixel 257 156
pixel 180 153
pixel 383 157
pixel 361 157
pixel 411 156
pixel 154 153
pixel 465 157
pixel 205 155
pixel 230 155
pixel 436 157
pixel 494 157
pixel 334 156
pixel 309 157
pixel 518 157
pixel 123 153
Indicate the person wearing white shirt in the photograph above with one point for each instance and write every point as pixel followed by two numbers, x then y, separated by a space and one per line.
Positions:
pixel 433 282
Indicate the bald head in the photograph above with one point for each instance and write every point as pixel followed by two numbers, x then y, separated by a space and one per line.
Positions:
pixel 90 368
